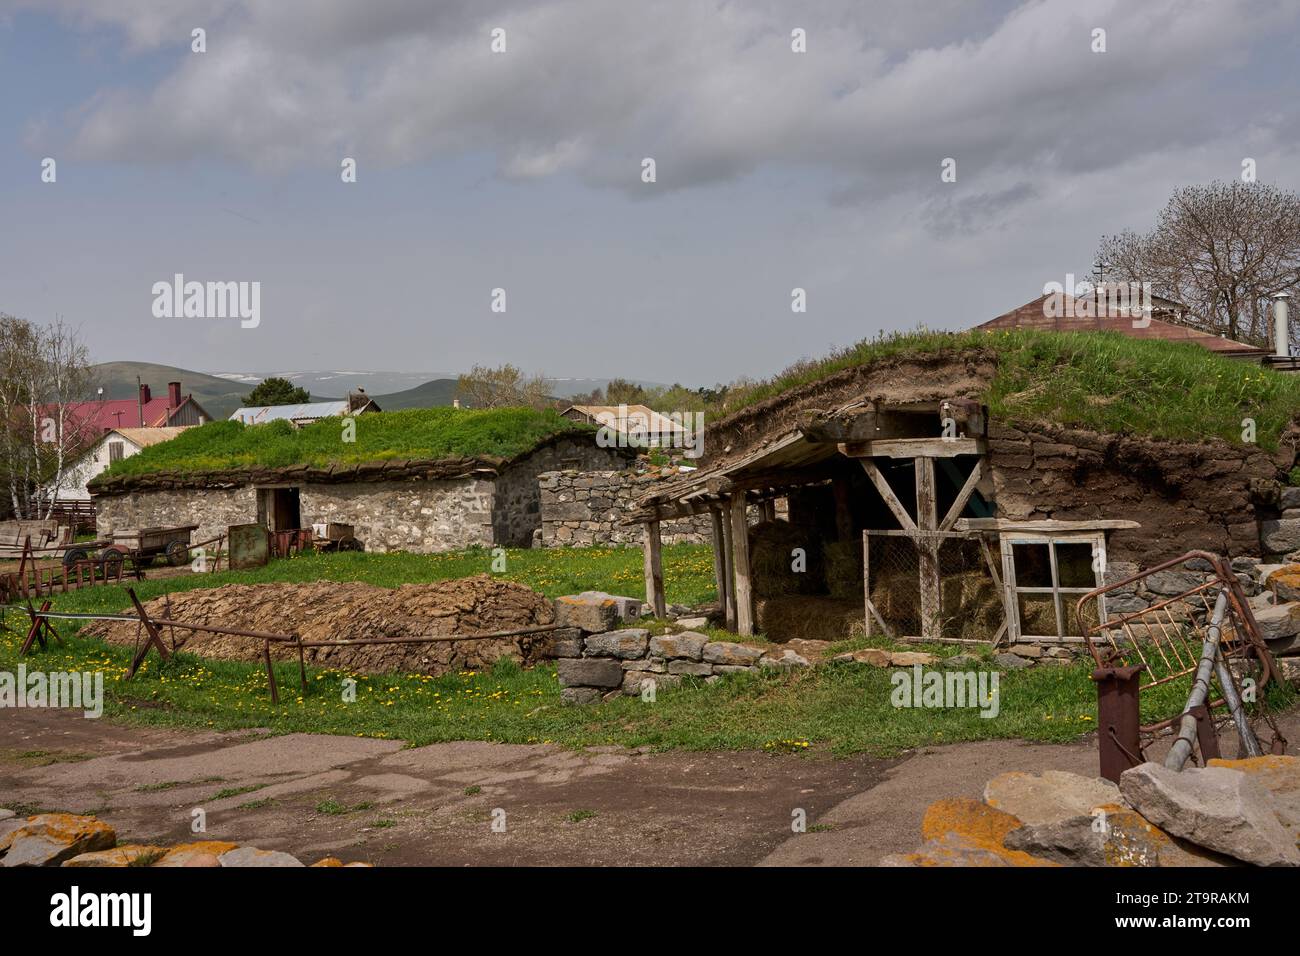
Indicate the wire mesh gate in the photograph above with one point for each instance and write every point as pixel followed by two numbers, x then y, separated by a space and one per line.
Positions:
pixel 939 586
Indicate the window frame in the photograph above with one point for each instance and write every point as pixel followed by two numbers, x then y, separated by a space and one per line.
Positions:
pixel 1009 539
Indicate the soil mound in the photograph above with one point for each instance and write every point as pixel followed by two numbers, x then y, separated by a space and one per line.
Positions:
pixel 331 611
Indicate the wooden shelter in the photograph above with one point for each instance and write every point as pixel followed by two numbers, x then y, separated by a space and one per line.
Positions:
pixel 916 470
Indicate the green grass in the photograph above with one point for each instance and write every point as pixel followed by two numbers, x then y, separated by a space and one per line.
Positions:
pixel 842 709
pixel 426 433
pixel 1099 380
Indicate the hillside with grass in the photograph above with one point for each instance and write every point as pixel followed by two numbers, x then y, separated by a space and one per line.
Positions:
pixel 1098 380
pixel 423 434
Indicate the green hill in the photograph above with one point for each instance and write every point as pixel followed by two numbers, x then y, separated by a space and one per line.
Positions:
pixel 432 394
pixel 218 395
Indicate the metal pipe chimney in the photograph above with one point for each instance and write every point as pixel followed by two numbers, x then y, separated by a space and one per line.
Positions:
pixel 1281 327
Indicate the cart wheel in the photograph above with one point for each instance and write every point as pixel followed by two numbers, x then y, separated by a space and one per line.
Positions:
pixel 350 544
pixel 178 553
pixel 72 556
pixel 111 559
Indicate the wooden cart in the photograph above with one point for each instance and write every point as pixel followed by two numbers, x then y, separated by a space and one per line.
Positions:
pixel 337 537
pixel 145 545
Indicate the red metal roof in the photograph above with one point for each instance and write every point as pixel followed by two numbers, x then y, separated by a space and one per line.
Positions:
pixel 1033 315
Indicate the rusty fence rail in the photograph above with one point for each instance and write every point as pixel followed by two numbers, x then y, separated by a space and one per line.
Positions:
pixel 40 628
pixel 1165 644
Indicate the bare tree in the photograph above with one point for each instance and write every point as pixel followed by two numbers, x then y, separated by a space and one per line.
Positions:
pixel 1223 250
pixel 502 387
pixel 44 374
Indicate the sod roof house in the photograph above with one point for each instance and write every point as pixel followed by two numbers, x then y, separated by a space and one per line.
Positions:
pixel 952 486
pixel 422 480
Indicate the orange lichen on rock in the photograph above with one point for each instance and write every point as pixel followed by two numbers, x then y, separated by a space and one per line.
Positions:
pixel 976 826
pixel 123 855
pixel 182 855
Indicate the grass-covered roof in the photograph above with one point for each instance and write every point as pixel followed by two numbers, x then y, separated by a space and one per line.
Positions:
pixel 1099 380
pixel 425 434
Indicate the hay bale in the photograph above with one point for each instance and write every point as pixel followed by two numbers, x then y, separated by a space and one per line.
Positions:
pixel 801 617
pixel 842 562
pixel 771 547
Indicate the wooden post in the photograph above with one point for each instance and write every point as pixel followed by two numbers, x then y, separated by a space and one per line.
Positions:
pixel 866 581
pixel 740 549
pixel 927 520
pixel 729 571
pixel 654 569
pixel 719 557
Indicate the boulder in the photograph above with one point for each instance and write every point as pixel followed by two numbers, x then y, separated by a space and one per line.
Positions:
pixel 588 672
pixel 124 855
pixel 1280 776
pixel 786 660
pixel 48 839
pixel 688 645
pixel 1285 583
pixel 1280 535
pixel 1012 662
pixel 579 695
pixel 593 615
pixel 690 668
pixel 1279 621
pixel 566 642
pixel 1219 808
pixel 626 645
pixel 692 623
pixel 627 608
pixel 911 658
pixel 1050 796
pixel 633 681
pixel 964 832
pixel 726 652
pixel 874 656
pixel 1112 835
pixel 252 856
pixel 196 854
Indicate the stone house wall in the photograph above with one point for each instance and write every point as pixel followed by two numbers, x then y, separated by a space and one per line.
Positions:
pixel 214 509
pixel 583 508
pixel 419 516
pixel 516 513
pixel 1185 495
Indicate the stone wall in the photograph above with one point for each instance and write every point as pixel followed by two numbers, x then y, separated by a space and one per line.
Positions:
pixel 214 510
pixel 596 659
pixel 587 508
pixel 1185 495
pixel 419 516
pixel 517 510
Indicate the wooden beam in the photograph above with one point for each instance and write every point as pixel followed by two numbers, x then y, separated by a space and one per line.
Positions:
pixel 886 492
pixel 729 562
pixel 927 547
pixel 914 448
pixel 654 568
pixel 1046 525
pixel 719 558
pixel 740 548
pixel 963 496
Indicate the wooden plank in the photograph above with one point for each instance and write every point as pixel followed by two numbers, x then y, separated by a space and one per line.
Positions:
pixel 963 496
pixel 729 560
pixel 927 547
pixel 886 492
pixel 914 448
pixel 654 568
pixel 740 548
pixel 719 559
pixel 866 582
pixel 1045 525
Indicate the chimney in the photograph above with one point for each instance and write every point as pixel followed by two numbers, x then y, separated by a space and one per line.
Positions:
pixel 174 394
pixel 1281 328
pixel 145 395
pixel 357 399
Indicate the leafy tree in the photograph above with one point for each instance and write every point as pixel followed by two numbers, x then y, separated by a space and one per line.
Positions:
pixel 502 387
pixel 1223 250
pixel 276 391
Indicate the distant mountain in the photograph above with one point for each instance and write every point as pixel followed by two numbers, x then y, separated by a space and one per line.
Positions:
pixel 223 392
pixel 218 395
pixel 429 395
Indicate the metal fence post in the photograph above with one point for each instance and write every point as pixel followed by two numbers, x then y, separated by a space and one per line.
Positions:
pixel 1118 719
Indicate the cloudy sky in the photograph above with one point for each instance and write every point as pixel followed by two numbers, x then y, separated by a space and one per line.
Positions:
pixel 522 169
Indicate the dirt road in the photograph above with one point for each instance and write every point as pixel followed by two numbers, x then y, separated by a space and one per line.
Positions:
pixel 374 800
